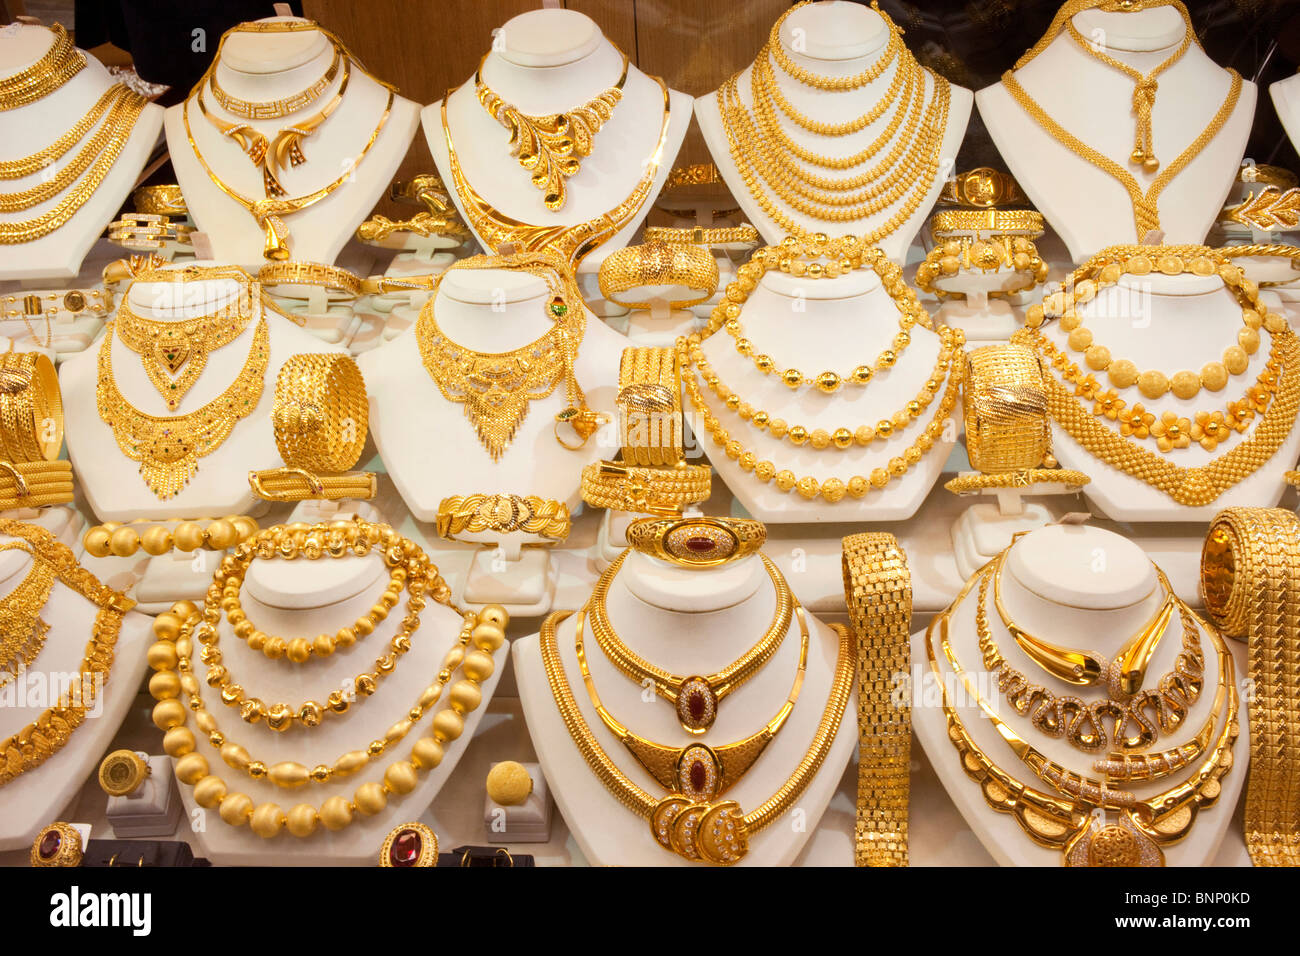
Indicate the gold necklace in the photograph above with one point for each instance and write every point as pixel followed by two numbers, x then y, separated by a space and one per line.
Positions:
pixel 551 147
pixel 695 697
pixel 574 243
pixel 892 49
pixel 60 63
pixel 168 447
pixel 696 830
pixel 27 165
pixel 496 388
pixel 22 630
pixel 273 109
pixel 698 771
pixel 173 353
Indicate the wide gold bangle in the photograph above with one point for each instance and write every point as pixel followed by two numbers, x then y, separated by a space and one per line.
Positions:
pixel 338 283
pixel 659 264
pixel 124 540
pixel 58 844
pixel 1267 175
pixel 981 188
pixel 696 542
pixel 987 254
pixel 35 484
pixel 973 482
pixel 1250 579
pixel 878 594
pixel 31 408
pixel 662 491
pixel 299 484
pixel 321 414
pixel 1004 399
pixel 122 772
pixel 650 406
pixel 979 222
pixel 507 514
pixel 143 232
pixel 712 236
pixel 696 174
pixel 164 199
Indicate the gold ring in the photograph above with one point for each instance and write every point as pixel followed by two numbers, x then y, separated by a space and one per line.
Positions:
pixel 1016 222
pixel 507 514
pixel 321 414
pixel 660 491
pixel 982 188
pixel 31 408
pixel 1004 397
pixel 409 844
pixel 122 772
pixel 696 542
pixel 659 264
pixel 59 844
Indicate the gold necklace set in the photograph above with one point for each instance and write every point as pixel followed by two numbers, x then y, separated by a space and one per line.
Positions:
pixel 769 160
pixel 22 630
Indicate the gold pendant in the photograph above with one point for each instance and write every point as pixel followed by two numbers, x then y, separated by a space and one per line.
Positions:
pixel 1113 844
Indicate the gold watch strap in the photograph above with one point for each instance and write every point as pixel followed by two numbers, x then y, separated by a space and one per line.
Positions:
pixel 878 592
pixel 1005 405
pixel 650 407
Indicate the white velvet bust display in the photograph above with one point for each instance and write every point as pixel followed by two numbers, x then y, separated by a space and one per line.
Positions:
pixel 38 796
pixel 549 61
pixel 1286 100
pixel 815 326
pixel 30 128
pixel 690 622
pixel 271 66
pixel 110 480
pixel 1079 587
pixel 836 39
pixel 1087 207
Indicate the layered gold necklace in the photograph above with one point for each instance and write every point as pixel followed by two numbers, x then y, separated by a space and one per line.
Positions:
pixel 61 62
pixel 22 630
pixel 551 147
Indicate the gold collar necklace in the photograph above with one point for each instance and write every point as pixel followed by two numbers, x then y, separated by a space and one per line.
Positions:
pixel 61 62
pixel 272 109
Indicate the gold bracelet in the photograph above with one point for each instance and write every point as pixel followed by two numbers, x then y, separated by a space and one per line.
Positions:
pixel 321 413
pixel 342 283
pixel 1021 222
pixel 507 514
pixel 972 482
pixel 878 593
pixel 1267 175
pixel 987 254
pixel 981 188
pixel 424 189
pixel 409 844
pixel 35 484
pixel 1292 478
pixel 165 199
pixel 383 285
pixel 1270 209
pixel 47 307
pixel 743 235
pixel 31 408
pixel 1250 578
pixel 58 844
pixel 696 542
pixel 299 484
pixel 696 174
pixel 660 491
pixel 655 264
pixel 148 231
pixel 1004 397
pixel 129 268
pixel 124 540
pixel 378 229
pixel 122 772
pixel 650 407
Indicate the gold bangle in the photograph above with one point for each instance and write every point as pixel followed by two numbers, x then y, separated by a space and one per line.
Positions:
pixel 1250 578
pixel 122 772
pixel 507 514
pixel 1016 222
pixel 981 188
pixel 1268 175
pixel 650 406
pixel 299 484
pixel 129 268
pixel 35 484
pixel 31 408
pixel 383 285
pixel 321 413
pixel 145 231
pixel 973 481
pixel 1268 209
pixel 377 229
pixel 124 540
pixel 878 594
pixel 661 491
pixel 696 174
pixel 659 264
pixel 988 254
pixel 742 235
pixel 341 282
pixel 1292 478
pixel 409 844
pixel 1004 398
pixel 696 542
pixel 165 199
pixel 424 189
pixel 59 844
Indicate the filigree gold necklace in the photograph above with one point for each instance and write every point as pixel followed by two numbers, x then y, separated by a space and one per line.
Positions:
pixel 22 631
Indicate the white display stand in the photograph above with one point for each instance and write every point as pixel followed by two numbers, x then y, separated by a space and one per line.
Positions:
pixel 1079 587
pixel 690 622
pixel 1286 100
pixel 985 529
pixel 527 822
pixel 153 809
pixel 111 481
pixel 1171 323
pixel 35 798
pixel 836 39
pixel 815 325
pixel 304 598
pixel 30 128
pixel 548 61
pixel 262 67
pixel 1094 102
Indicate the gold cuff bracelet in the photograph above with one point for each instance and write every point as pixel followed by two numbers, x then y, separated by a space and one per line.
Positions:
pixel 696 542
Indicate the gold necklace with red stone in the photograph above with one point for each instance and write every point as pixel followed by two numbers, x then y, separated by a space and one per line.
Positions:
pixel 696 697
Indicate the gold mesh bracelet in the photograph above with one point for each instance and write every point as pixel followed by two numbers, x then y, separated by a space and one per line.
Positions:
pixel 878 592
pixel 1250 576
pixel 1005 406
pixel 321 414
pixel 650 407
pixel 31 408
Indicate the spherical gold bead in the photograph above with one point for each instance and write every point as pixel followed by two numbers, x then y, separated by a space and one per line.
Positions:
pixel 156 541
pixel 188 536
pixel 164 685
pixel 301 821
pixel 370 799
pixel 222 534
pixel 1214 376
pixel 162 656
pixel 1153 383
pixel 191 768
pixel 209 792
pixel 335 813
pixel 267 820
pixel 401 777
pixel 124 542
pixel 1185 384
pixel 299 650
pixel 465 696
pixel 478 666
pixel 448 725
pixel 97 542
pixel 168 714
pixel 1123 373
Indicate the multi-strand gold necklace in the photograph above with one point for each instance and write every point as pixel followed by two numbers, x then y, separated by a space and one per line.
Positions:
pixel 61 62
pixel 22 630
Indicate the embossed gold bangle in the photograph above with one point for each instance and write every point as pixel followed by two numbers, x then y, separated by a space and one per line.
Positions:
pixel 663 491
pixel 342 283
pixel 124 540
pixel 659 264
pixel 1250 578
pixel 973 481
pixel 1004 398
pixel 981 188
pixel 122 772
pixel 986 254
pixel 1267 175
pixel 321 413
pixel 31 408
pixel 59 844
pixel 878 593
pixel 696 542
pixel 712 236
pixel 1015 222
pixel 650 406
pixel 164 199
pixel 299 484
pixel 507 514
pixel 35 484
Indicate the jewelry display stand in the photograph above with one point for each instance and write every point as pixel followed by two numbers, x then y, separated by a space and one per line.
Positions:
pixel 1094 102
pixel 548 61
pixel 297 598
pixel 1286 100
pixel 29 128
pixel 690 622
pixel 34 797
pixel 263 67
pixel 1089 589
pixel 153 809
pixel 527 822
pixel 985 529
pixel 835 40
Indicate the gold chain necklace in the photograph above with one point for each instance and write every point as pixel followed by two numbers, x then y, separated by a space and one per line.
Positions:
pixel 273 109
pixel 699 772
pixel 695 697
pixel 808 78
pixel 22 631
pixel 27 165
pixel 696 830
pixel 551 147
pixel 60 63
pixel 574 243
pixel 496 388
pixel 174 353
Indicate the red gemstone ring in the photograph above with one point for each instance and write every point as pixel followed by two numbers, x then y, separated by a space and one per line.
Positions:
pixel 59 844
pixel 697 542
pixel 409 844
